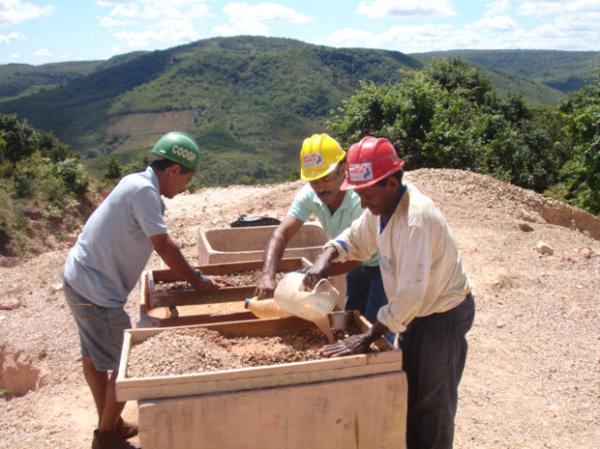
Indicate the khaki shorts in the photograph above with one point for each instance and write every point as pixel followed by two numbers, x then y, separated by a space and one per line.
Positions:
pixel 100 330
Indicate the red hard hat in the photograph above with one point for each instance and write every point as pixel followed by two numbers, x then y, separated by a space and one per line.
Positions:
pixel 369 161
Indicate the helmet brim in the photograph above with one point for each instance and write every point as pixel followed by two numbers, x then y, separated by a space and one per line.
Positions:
pixel 349 185
pixel 327 172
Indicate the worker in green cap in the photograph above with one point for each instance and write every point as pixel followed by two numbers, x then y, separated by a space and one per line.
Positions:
pixel 104 265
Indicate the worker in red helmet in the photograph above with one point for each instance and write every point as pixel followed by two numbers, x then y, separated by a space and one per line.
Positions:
pixel 429 298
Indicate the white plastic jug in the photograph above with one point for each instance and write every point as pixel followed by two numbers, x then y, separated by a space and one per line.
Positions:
pixel 313 305
pixel 265 308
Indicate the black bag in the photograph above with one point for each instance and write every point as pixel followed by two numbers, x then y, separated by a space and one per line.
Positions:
pixel 256 220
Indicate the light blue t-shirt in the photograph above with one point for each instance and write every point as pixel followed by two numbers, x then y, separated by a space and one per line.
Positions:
pixel 114 246
pixel 307 202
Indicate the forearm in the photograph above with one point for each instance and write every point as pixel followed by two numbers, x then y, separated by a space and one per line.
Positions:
pixel 337 268
pixel 274 253
pixel 376 331
pixel 170 253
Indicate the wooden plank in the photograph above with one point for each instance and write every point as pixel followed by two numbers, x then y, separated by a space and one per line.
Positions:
pixel 366 412
pixel 144 293
pixel 247 379
pixel 206 318
pixel 289 264
pixel 192 297
pixel 124 356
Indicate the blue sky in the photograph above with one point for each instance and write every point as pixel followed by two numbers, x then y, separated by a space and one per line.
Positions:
pixel 37 32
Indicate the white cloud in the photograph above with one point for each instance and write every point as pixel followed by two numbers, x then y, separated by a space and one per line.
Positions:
pixel 161 32
pixel 149 11
pixel 498 23
pixel 110 22
pixel 13 12
pixel 408 39
pixel 496 7
pixel 244 18
pixel 385 8
pixel 500 32
pixel 264 12
pixel 14 56
pixel 540 8
pixel 42 53
pixel 154 22
pixel 6 39
pixel 349 37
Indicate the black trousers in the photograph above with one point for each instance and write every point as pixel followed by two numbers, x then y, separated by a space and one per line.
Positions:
pixel 434 354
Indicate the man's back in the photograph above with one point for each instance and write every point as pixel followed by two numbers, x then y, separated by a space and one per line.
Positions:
pixel 114 245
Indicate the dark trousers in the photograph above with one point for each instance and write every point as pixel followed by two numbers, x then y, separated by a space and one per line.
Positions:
pixel 364 291
pixel 434 353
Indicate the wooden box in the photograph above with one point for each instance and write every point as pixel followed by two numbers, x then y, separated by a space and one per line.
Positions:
pixel 386 360
pixel 159 308
pixel 354 401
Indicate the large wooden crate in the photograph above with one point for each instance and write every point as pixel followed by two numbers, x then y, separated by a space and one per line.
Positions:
pixel 353 401
pixel 187 307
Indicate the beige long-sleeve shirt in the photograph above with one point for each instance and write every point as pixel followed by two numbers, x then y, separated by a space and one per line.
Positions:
pixel 420 265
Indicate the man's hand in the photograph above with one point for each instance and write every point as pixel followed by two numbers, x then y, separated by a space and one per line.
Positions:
pixel 356 344
pixel 206 283
pixel 319 269
pixel 312 277
pixel 265 287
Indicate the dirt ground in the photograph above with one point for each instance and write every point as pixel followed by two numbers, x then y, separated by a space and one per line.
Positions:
pixel 532 378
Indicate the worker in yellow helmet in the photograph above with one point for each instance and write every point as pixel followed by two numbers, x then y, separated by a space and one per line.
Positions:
pixel 323 167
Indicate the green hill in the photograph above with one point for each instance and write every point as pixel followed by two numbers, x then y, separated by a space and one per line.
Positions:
pixel 249 100
pixel 561 71
pixel 18 80
pixel 242 96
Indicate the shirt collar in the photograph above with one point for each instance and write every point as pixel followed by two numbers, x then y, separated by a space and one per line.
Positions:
pixel 153 178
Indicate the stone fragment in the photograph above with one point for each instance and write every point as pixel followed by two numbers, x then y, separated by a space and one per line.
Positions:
pixel 525 227
pixel 9 303
pixel 586 252
pixel 543 248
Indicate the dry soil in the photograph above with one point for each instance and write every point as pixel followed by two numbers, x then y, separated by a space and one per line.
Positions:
pixel 532 378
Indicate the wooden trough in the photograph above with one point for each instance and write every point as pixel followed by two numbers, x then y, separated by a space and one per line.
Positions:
pixel 187 307
pixel 353 401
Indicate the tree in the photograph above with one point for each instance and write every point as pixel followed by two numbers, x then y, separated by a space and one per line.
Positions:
pixel 581 174
pixel 113 168
pixel 448 116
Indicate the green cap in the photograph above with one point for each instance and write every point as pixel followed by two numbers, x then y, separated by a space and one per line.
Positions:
pixel 179 147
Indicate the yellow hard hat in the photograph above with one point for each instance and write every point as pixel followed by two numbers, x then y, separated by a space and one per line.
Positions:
pixel 319 156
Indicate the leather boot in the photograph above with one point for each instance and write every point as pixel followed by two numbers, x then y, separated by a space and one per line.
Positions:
pixel 111 440
pixel 125 429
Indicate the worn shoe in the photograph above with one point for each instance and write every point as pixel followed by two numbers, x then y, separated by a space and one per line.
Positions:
pixel 111 440
pixel 126 430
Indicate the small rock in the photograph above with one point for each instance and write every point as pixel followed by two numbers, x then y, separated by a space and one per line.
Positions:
pixel 500 324
pixel 527 216
pixel 544 248
pixel 586 252
pixel 57 287
pixel 525 227
pixel 9 303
